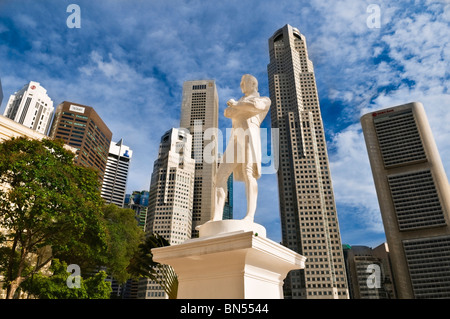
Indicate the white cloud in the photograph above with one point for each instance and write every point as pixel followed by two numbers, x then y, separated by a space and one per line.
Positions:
pixel 25 21
pixel 112 69
pixel 352 179
pixel 414 69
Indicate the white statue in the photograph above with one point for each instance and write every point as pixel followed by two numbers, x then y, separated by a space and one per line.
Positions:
pixel 243 154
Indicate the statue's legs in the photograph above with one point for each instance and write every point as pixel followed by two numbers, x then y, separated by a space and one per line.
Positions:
pixel 223 172
pixel 251 191
pixel 251 186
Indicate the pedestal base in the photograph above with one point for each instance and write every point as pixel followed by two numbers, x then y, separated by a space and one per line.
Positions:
pixel 236 265
pixel 215 228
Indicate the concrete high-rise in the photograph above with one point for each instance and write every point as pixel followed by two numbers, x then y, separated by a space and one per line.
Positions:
pixel 171 188
pixel 307 207
pixel 171 197
pixel 116 173
pixel 82 128
pixel 31 107
pixel 414 198
pixel 199 113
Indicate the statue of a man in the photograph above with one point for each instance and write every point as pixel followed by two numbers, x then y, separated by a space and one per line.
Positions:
pixel 243 154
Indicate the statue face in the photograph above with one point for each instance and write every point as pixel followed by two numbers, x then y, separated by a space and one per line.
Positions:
pixel 247 85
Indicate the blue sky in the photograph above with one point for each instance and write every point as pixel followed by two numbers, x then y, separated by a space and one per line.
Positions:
pixel 130 58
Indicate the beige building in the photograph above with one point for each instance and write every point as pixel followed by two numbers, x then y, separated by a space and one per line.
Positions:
pixel 10 128
pixel 199 113
pixel 169 211
pixel 307 208
pixel 414 198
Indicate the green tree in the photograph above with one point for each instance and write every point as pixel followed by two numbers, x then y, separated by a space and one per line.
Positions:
pixel 47 201
pixel 142 265
pixel 60 286
pixel 123 237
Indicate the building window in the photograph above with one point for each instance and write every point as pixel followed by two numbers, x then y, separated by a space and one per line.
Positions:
pixel 199 87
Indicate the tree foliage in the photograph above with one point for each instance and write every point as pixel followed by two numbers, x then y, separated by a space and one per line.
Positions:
pixel 123 237
pixel 142 265
pixel 47 201
pixel 56 286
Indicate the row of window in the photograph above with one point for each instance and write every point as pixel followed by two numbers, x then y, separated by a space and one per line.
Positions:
pixel 428 261
pixel 416 201
pixel 399 138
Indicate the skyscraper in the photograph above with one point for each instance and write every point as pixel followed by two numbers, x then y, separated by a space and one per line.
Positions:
pixel 369 272
pixel 116 173
pixel 414 198
pixel 171 188
pixel 171 197
pixel 82 128
pixel 31 107
pixel 199 114
pixel 307 208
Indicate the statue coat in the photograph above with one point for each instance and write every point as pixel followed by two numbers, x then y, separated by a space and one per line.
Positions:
pixel 246 115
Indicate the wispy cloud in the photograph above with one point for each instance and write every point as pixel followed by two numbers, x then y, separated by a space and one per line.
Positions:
pixel 406 61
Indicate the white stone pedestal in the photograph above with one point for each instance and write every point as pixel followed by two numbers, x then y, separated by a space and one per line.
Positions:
pixel 226 264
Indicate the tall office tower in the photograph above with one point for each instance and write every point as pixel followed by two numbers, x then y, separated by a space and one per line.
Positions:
pixel 199 113
pixel 369 272
pixel 138 201
pixel 82 128
pixel 171 196
pixel 414 198
pixel 116 173
pixel 31 107
pixel 307 208
pixel 171 189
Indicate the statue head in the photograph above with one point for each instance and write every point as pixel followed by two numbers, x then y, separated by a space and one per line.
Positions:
pixel 249 84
